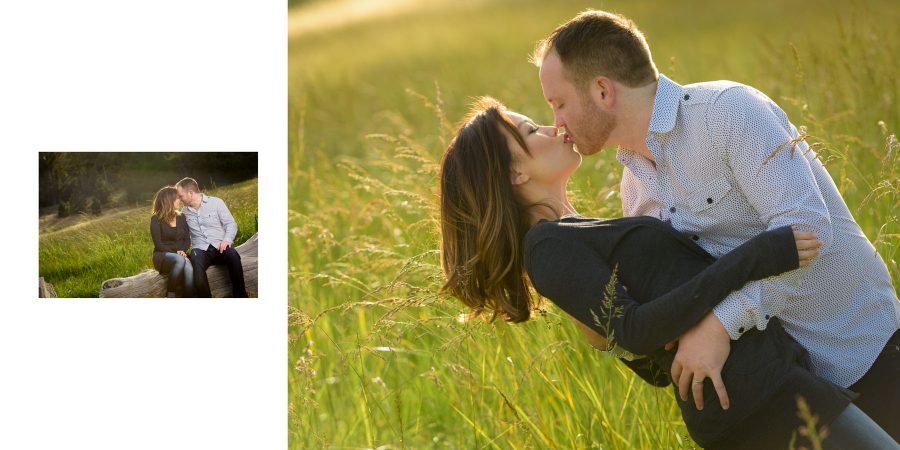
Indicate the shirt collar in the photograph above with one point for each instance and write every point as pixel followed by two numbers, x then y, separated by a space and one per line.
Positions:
pixel 665 105
pixel 203 199
pixel 662 119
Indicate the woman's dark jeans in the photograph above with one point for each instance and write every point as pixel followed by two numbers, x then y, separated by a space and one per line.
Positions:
pixel 180 272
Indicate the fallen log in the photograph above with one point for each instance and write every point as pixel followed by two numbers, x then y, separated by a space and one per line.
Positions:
pixel 150 283
pixel 46 290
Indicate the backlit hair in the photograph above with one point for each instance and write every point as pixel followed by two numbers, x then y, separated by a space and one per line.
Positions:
pixel 188 184
pixel 164 204
pixel 598 43
pixel 482 222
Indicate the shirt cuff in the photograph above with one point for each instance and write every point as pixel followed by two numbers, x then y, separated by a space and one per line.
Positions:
pixel 734 317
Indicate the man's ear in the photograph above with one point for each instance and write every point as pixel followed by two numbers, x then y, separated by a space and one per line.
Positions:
pixel 603 91
pixel 517 177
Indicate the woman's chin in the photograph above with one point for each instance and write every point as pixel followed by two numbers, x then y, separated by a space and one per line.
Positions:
pixel 568 174
pixel 579 157
pixel 584 150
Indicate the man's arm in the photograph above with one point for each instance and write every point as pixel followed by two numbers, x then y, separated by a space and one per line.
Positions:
pixel 228 222
pixel 771 169
pixel 773 172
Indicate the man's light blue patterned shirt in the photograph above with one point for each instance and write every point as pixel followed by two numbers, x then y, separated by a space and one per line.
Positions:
pixel 210 224
pixel 714 182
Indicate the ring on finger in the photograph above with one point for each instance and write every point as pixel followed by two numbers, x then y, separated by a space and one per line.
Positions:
pixel 698 381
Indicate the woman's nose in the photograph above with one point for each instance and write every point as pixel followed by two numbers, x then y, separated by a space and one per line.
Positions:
pixel 553 131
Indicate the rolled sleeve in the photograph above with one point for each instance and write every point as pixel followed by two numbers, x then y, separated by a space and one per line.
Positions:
pixel 738 311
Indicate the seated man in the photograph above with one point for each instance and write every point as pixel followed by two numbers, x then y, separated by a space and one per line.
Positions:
pixel 212 231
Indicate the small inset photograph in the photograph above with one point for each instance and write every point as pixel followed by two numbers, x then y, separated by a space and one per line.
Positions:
pixel 148 225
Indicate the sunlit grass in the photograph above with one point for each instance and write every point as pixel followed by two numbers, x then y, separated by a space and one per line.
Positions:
pixel 376 357
pixel 321 16
pixel 78 258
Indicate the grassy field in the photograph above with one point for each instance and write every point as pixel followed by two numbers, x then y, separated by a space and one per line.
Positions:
pixel 377 358
pixel 78 253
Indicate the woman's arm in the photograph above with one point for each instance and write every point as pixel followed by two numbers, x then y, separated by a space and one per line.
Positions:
pixel 155 234
pixel 643 367
pixel 184 235
pixel 596 339
pixel 575 278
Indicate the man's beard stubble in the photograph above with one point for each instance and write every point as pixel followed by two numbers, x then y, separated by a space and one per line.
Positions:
pixel 596 129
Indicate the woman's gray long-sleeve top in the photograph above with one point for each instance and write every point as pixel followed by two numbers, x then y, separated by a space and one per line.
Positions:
pixel 665 284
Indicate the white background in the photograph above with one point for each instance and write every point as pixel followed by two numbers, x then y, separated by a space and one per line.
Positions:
pixel 156 75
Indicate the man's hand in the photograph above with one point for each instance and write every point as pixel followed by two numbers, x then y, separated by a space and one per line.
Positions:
pixel 183 254
pixel 702 352
pixel 224 245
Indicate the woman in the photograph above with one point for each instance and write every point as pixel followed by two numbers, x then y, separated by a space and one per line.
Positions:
pixel 631 284
pixel 171 241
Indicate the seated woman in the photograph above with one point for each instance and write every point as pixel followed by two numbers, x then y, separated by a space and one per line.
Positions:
pixel 631 284
pixel 171 241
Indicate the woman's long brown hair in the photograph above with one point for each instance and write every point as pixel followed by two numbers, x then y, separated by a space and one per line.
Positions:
pixel 482 222
pixel 164 204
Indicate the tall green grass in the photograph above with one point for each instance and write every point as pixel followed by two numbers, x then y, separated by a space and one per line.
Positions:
pixel 77 258
pixel 377 359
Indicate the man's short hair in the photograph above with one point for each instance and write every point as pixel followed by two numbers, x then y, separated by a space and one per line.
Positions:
pixel 598 43
pixel 188 184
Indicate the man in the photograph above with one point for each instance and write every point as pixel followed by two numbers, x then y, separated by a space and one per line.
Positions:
pixel 701 157
pixel 212 231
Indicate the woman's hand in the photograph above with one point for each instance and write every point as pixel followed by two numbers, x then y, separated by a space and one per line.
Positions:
pixel 807 245
pixel 183 254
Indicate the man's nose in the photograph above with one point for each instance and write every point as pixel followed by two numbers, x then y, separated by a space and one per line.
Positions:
pixel 558 121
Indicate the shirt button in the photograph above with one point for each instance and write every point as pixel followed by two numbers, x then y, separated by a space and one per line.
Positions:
pixel 672 210
pixel 708 200
pixel 695 237
pixel 687 97
pixel 767 317
pixel 741 330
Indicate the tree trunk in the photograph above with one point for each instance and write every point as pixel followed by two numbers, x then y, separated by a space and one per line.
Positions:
pixel 46 290
pixel 150 283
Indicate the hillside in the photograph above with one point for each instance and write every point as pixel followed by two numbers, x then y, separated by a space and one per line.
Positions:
pixel 79 252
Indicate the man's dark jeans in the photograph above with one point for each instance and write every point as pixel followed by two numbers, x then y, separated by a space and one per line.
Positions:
pixel 879 388
pixel 230 258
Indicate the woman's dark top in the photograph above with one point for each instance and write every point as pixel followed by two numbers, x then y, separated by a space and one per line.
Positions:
pixel 665 283
pixel 168 239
